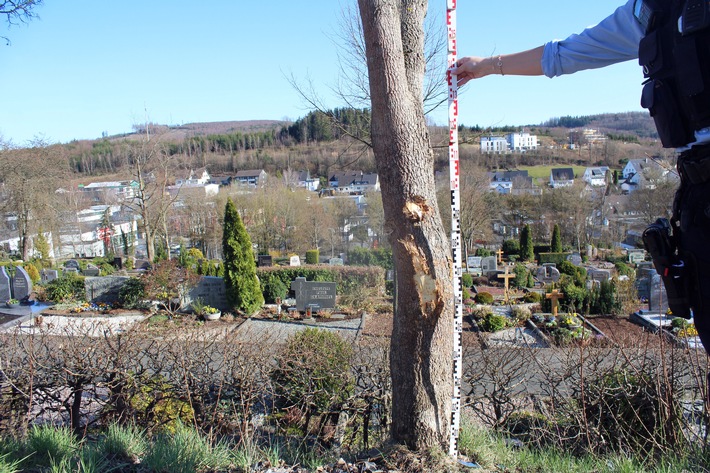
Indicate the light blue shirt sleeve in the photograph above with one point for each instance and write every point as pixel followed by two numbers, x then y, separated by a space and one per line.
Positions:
pixel 614 39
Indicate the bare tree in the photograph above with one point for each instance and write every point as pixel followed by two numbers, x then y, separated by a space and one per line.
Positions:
pixel 150 167
pixel 26 175
pixel 18 11
pixel 422 342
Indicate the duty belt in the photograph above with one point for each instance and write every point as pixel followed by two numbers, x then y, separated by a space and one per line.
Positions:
pixel 694 164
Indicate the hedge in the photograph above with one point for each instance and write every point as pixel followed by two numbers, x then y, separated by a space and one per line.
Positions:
pixel 346 277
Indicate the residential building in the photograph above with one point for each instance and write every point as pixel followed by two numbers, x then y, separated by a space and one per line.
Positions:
pixel 561 177
pixel 251 178
pixel 596 176
pixel 82 233
pixel 494 145
pixel 110 191
pixel 198 177
pixel 355 183
pixel 508 182
pixel 643 173
pixel 521 141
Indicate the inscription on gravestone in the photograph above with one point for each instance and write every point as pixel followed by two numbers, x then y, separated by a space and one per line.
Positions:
pixel 48 275
pixel 211 291
pixel 317 293
pixel 5 293
pixel 21 284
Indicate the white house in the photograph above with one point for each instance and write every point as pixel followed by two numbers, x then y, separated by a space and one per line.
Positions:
pixel 494 144
pixel 194 178
pixel 354 182
pixel 561 177
pixel 640 173
pixel 84 236
pixel 506 182
pixel 596 176
pixel 521 141
pixel 111 191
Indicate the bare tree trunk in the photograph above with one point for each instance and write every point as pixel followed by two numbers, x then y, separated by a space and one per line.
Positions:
pixel 422 337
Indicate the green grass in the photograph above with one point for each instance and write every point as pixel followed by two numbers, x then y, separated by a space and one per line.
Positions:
pixel 543 172
pixel 187 451
pixel 491 451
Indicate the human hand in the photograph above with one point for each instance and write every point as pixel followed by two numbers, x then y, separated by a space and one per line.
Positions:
pixel 471 67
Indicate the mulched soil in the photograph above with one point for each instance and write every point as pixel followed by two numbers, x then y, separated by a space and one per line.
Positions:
pixel 620 330
pixel 623 332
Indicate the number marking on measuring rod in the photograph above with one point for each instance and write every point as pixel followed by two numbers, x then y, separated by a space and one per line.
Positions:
pixel 457 324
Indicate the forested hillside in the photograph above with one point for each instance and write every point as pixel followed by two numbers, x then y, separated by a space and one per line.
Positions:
pixel 337 139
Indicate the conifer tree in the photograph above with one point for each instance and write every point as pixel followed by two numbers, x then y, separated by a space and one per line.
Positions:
pixel 556 243
pixel 527 250
pixel 242 284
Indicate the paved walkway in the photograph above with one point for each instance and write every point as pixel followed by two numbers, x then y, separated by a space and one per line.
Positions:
pixel 263 329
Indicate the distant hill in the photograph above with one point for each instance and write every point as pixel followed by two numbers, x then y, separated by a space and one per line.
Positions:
pixel 187 130
pixel 636 123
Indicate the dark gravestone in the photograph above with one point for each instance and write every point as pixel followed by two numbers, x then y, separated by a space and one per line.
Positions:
pixel 264 260
pixel 314 293
pixel 5 293
pixel 21 284
pixel 72 264
pixel 118 262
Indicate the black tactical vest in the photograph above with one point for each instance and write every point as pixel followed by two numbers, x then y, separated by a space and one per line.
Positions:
pixel 677 67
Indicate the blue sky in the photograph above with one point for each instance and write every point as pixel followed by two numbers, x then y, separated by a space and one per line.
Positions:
pixel 88 67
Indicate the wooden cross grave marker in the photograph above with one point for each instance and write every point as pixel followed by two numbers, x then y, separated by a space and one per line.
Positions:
pixel 506 277
pixel 500 255
pixel 555 295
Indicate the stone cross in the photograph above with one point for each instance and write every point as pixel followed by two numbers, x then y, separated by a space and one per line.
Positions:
pixel 555 295
pixel 500 255
pixel 506 277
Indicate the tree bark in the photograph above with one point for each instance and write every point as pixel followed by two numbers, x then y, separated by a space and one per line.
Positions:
pixel 422 338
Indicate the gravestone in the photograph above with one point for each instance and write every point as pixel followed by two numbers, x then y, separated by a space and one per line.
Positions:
pixel 212 291
pixel 91 270
pixel 264 260
pixel 636 256
pixel 548 273
pixel 118 262
pixel 72 264
pixel 489 265
pixel 317 293
pixel 335 261
pixel 600 275
pixel 21 284
pixel 658 300
pixel 5 291
pixel 474 264
pixel 104 289
pixel 48 275
pixel 295 261
pixel 575 259
pixel 644 276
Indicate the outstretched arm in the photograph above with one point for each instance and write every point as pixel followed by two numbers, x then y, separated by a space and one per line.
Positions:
pixel 525 63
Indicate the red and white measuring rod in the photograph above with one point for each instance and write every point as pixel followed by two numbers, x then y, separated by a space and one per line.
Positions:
pixel 456 249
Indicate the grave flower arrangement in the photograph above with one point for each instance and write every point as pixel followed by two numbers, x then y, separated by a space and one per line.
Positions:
pixel 12 302
pixel 682 328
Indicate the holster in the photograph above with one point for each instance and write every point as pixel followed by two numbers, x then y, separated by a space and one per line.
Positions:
pixel 661 242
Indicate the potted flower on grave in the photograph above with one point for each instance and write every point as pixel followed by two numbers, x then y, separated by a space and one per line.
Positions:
pixel 12 303
pixel 211 313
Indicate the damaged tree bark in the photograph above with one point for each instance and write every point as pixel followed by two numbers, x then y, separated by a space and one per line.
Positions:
pixel 422 337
